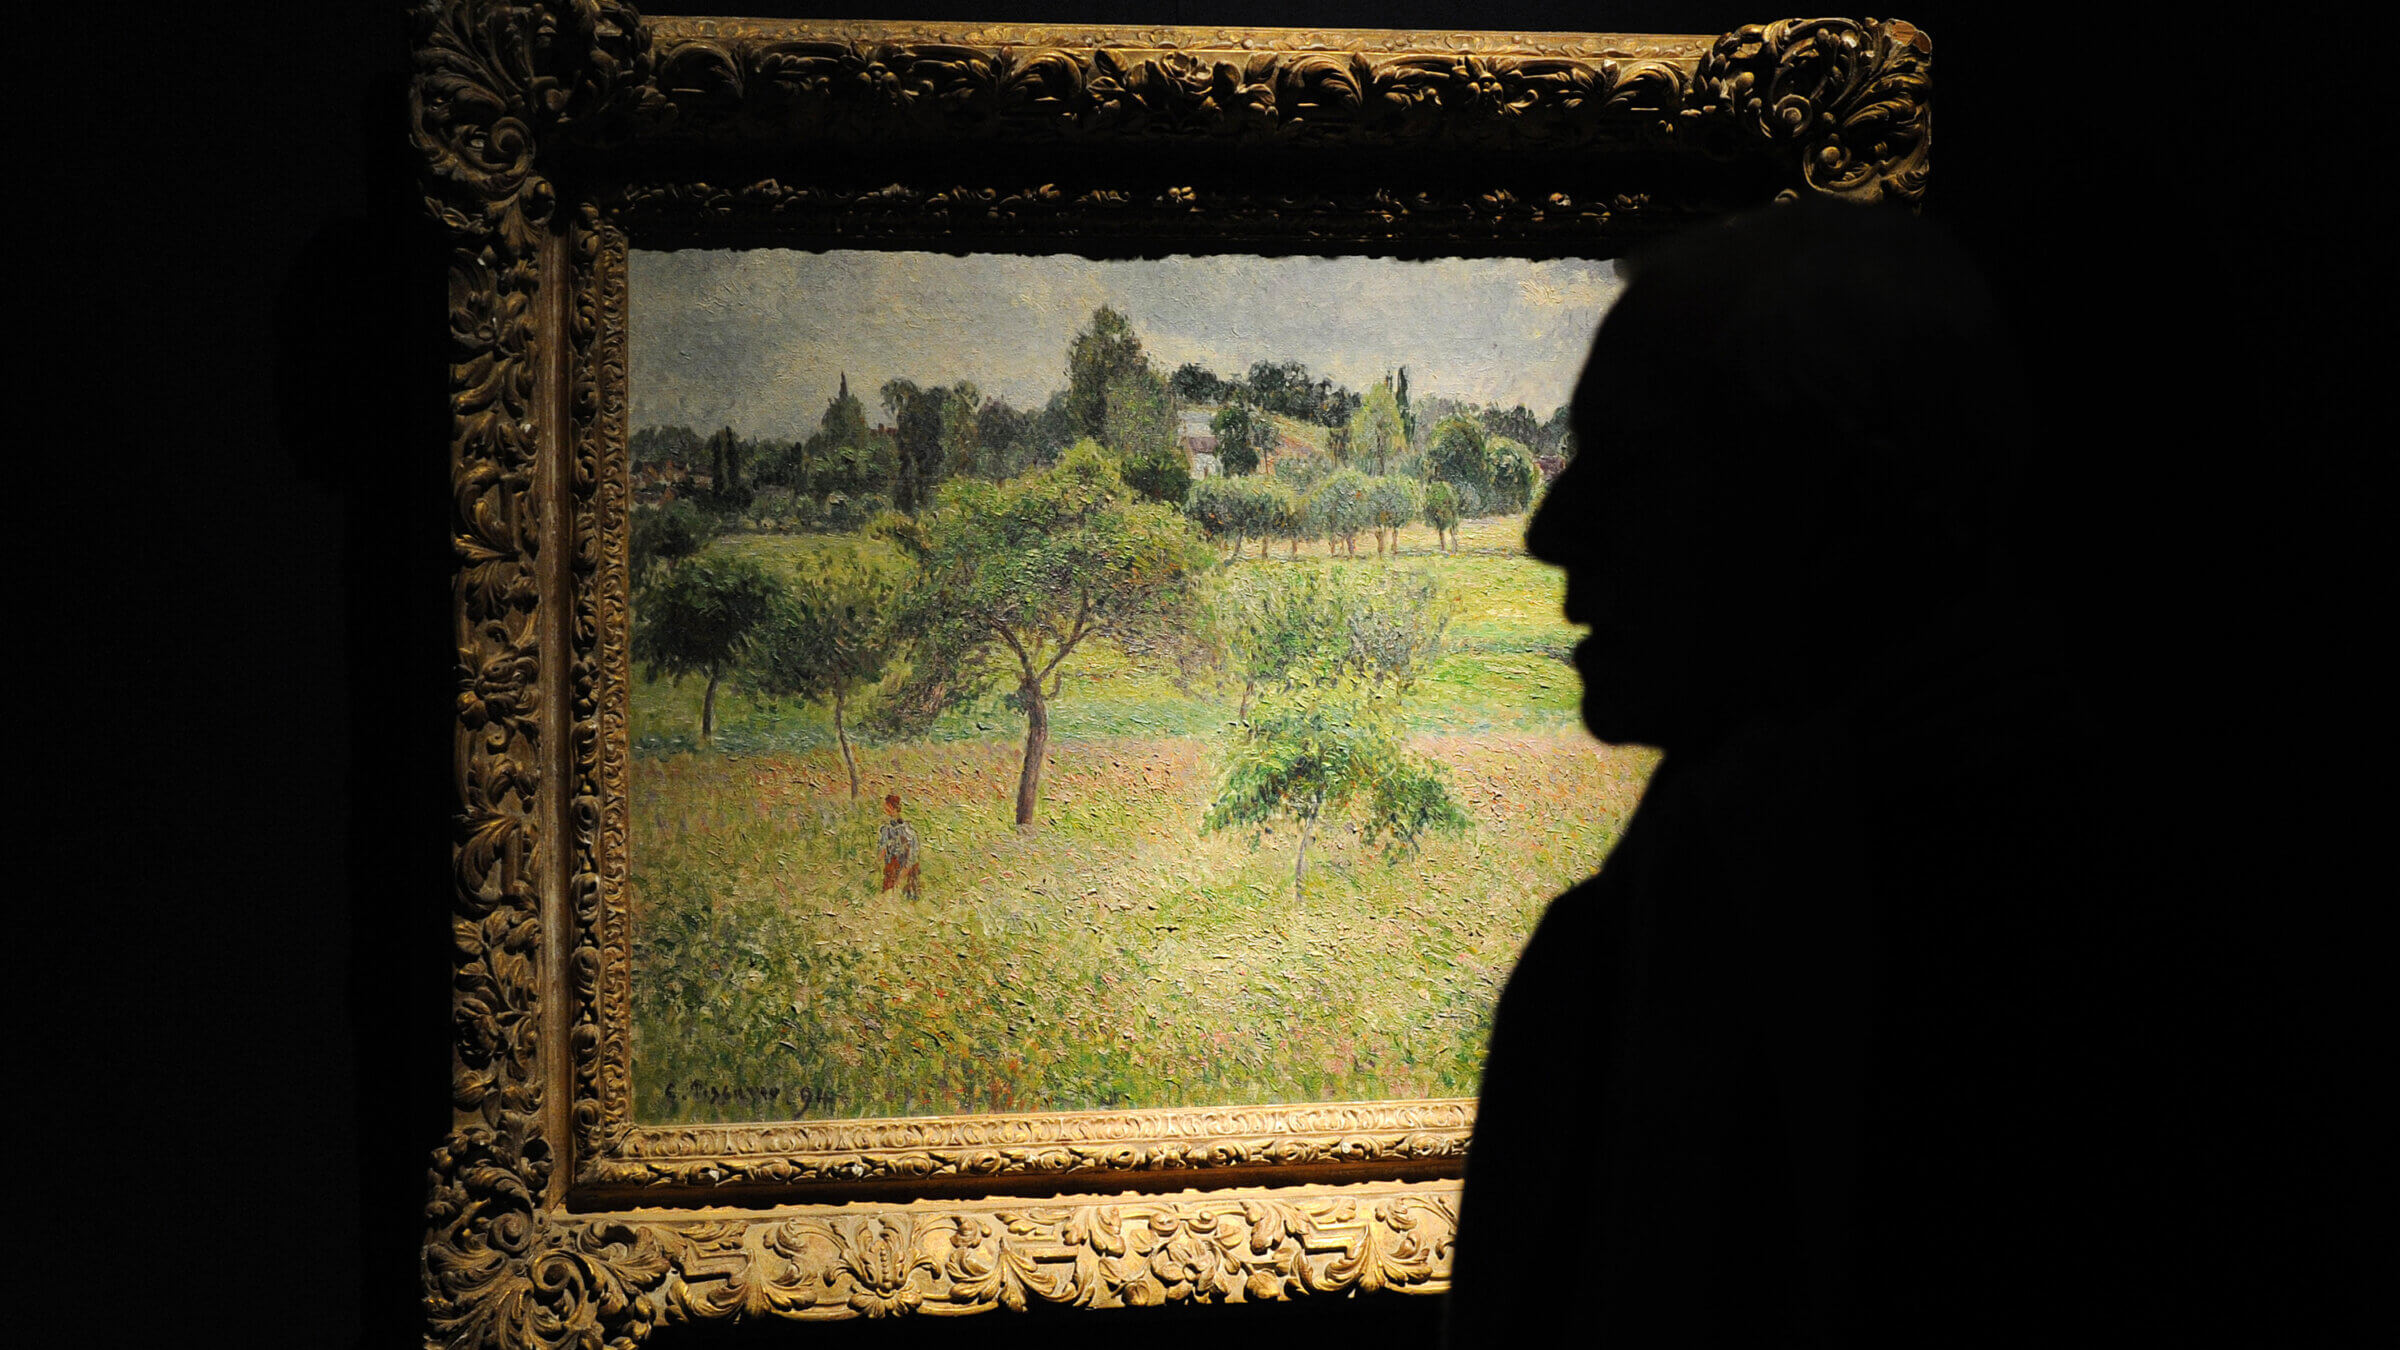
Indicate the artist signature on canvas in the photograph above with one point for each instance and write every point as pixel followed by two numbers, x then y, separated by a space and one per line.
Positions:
pixel 700 1092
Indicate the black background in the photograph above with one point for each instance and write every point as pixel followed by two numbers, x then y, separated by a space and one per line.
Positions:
pixel 235 684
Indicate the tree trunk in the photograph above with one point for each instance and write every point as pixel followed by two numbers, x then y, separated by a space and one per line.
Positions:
pixel 708 709
pixel 848 759
pixel 1037 744
pixel 1295 546
pixel 1248 687
pixel 1308 826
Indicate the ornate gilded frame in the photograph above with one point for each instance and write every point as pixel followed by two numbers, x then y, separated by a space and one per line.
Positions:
pixel 553 132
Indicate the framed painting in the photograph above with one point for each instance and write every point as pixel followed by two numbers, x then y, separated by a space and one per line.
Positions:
pixel 1007 738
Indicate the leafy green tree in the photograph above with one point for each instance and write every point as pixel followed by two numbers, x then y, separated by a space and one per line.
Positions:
pixel 1275 625
pixel 1302 472
pixel 727 453
pixel 1514 475
pixel 1337 444
pixel 845 420
pixel 1324 747
pixel 961 436
pixel 1391 626
pixel 1244 434
pixel 1275 384
pixel 1392 503
pixel 1195 383
pixel 1457 454
pixel 1002 435
pixel 1557 436
pixel 1115 398
pixel 1211 506
pixel 657 445
pixel 1014 578
pixel 937 431
pixel 1239 510
pixel 666 535
pixel 1099 361
pixel 1441 512
pixel 845 456
pixel 1377 432
pixel 1263 509
pixel 1140 428
pixel 1282 517
pixel 1337 510
pixel 1517 423
pixel 827 639
pixel 699 618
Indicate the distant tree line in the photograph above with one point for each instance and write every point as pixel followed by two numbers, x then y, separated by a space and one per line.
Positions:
pixel 1283 387
pixel 845 471
pixel 1464 471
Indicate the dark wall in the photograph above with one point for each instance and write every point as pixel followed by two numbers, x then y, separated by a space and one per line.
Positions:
pixel 252 602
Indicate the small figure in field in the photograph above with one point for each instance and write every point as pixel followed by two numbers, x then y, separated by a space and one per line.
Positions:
pixel 899 844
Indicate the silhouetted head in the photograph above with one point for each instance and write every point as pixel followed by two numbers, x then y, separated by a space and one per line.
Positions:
pixel 1794 433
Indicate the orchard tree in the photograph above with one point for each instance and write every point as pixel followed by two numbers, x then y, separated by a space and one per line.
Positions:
pixel 699 620
pixel 1337 510
pixel 1014 578
pixel 1283 517
pixel 1324 747
pixel 1276 626
pixel 1211 506
pixel 1266 510
pixel 1378 432
pixel 1302 472
pixel 1238 510
pixel 1392 503
pixel 1441 512
pixel 827 639
pixel 1391 625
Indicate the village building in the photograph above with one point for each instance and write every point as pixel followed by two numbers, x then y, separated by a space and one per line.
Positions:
pixel 1199 442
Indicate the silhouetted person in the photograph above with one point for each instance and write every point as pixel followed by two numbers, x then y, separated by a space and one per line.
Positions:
pixel 1822 1055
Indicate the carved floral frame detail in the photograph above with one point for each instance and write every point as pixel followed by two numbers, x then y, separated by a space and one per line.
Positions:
pixel 554 131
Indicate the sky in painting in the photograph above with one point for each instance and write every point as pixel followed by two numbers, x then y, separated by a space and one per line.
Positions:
pixel 758 339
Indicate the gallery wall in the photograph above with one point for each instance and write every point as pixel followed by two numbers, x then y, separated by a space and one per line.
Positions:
pixel 253 608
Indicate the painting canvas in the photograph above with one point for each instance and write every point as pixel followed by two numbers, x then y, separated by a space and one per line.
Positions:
pixel 1064 683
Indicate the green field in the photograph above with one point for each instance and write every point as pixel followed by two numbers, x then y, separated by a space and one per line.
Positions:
pixel 1110 954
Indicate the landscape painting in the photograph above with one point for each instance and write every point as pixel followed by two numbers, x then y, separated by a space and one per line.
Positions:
pixel 1063 684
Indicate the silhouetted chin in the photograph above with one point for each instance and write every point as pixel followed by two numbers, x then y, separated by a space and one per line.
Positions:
pixel 1613 710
